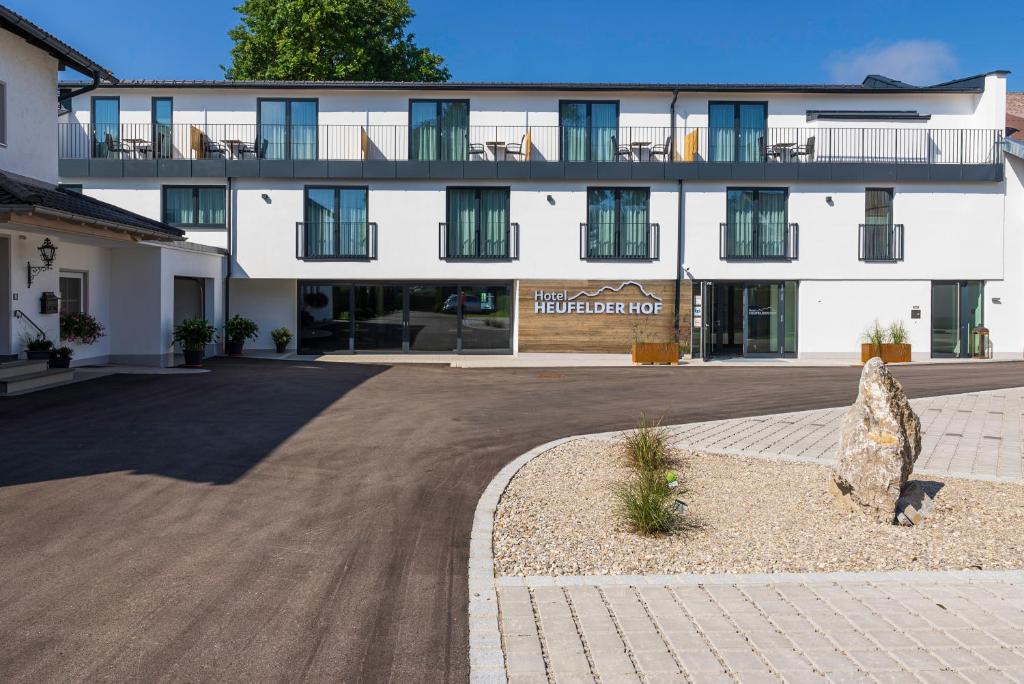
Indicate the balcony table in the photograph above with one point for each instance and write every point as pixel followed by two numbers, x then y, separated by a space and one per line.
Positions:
pixel 783 151
pixel 137 145
pixel 495 146
pixel 640 146
pixel 234 146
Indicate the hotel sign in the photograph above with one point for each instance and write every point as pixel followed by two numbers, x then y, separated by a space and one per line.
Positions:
pixel 598 301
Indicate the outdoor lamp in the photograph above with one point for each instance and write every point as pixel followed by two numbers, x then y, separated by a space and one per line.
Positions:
pixel 47 252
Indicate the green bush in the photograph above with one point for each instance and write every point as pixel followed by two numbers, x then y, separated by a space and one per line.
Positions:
pixel 647 447
pixel 645 503
pixel 898 333
pixel 875 334
pixel 39 344
pixel 281 335
pixel 194 334
pixel 239 328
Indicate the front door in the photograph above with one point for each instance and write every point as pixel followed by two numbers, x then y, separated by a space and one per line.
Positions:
pixel 749 319
pixel 957 309
pixel 5 296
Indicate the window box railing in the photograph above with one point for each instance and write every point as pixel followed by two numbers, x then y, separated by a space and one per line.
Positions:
pixel 517 143
pixel 336 241
pixel 880 242
pixel 760 242
pixel 478 244
pixel 620 242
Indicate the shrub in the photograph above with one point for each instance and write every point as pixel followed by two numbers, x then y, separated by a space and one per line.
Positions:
pixel 39 344
pixel 80 327
pixel 194 334
pixel 647 447
pixel 62 353
pixel 241 328
pixel 281 335
pixel 645 503
pixel 875 334
pixel 898 333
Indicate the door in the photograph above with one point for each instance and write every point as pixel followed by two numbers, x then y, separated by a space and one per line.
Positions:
pixel 106 126
pixel 379 318
pixel 763 310
pixel 189 298
pixel 433 318
pixel 723 311
pixel 957 309
pixel 5 296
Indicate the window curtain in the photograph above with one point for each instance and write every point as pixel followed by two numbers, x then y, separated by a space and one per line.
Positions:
pixel 321 222
pixel 740 223
pixel 303 130
pixel 354 234
pixel 178 207
pixel 462 223
pixel 601 223
pixel 633 223
pixel 106 120
pixel 752 130
pixel 878 224
pixel 211 206
pixel 604 130
pixel 454 130
pixel 721 132
pixel 423 133
pixel 573 123
pixel 771 223
pixel 494 227
pixel 273 120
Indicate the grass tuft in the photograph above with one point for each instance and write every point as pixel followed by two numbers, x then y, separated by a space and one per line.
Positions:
pixel 646 503
pixel 647 447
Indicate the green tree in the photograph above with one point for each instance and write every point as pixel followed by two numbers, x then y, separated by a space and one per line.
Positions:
pixel 329 40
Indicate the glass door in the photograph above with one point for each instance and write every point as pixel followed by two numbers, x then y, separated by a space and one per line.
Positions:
pixel 957 309
pixel 325 321
pixel 438 130
pixel 763 307
pixel 433 318
pixel 736 131
pixel 106 126
pixel 588 130
pixel 163 136
pixel 379 318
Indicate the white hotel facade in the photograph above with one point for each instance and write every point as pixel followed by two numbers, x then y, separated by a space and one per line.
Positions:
pixel 763 220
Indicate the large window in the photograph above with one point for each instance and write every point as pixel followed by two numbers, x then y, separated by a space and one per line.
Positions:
pixel 478 223
pixel 756 226
pixel 72 292
pixel 438 130
pixel 106 126
pixel 163 136
pixel 736 131
pixel 618 223
pixel 588 130
pixel 198 206
pixel 287 129
pixel 336 222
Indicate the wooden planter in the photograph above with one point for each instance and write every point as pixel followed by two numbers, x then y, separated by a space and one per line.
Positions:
pixel 656 352
pixel 889 353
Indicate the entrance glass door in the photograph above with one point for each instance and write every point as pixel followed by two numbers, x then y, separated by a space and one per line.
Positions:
pixel 433 318
pixel 957 309
pixel 764 318
pixel 379 317
pixel 749 319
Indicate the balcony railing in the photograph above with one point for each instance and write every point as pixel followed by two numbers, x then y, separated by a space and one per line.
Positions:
pixel 880 242
pixel 532 143
pixel 336 241
pixel 761 242
pixel 620 242
pixel 478 243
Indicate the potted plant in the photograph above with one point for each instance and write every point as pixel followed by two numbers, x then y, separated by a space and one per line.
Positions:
pixel 897 349
pixel 237 330
pixel 872 340
pixel 61 357
pixel 194 335
pixel 80 327
pixel 281 336
pixel 644 351
pixel 38 349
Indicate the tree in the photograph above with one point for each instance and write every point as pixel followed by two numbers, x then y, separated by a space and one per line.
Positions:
pixel 329 40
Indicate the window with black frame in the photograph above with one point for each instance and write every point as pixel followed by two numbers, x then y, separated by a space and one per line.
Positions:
pixel 287 129
pixel 618 223
pixel 879 243
pixel 756 225
pixel 588 130
pixel 478 223
pixel 163 135
pixel 195 206
pixel 335 223
pixel 736 131
pixel 438 130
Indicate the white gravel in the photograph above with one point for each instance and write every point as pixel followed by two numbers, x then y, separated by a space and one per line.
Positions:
pixel 558 517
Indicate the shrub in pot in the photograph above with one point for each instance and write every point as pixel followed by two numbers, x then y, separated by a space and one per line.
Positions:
pixel 897 348
pixel 61 357
pixel 194 335
pixel 281 336
pixel 237 330
pixel 80 327
pixel 872 340
pixel 38 349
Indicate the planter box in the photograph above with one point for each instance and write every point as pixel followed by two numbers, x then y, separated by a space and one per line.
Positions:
pixel 889 353
pixel 656 352
pixel 43 355
pixel 869 351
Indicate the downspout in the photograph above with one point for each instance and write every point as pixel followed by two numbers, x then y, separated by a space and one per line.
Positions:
pixel 679 224
pixel 82 91
pixel 231 249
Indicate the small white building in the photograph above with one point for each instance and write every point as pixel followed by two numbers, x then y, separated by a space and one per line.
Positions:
pixel 63 252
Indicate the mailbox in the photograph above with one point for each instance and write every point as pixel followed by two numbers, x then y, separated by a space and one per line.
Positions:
pixel 49 303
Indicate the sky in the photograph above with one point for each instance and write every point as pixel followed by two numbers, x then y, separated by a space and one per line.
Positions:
pixel 657 41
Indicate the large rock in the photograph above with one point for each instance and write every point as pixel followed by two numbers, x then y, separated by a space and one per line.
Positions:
pixel 880 442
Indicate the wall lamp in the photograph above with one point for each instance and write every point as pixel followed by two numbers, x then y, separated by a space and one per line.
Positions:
pixel 47 252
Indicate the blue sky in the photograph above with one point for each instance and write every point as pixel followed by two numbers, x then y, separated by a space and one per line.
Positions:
pixel 595 40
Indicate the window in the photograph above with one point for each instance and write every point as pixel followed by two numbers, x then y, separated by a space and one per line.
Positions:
pixel 618 223
pixel 756 224
pixel 199 206
pixel 106 126
pixel 163 135
pixel 336 222
pixel 438 130
pixel 736 131
pixel 879 239
pixel 3 113
pixel 588 130
pixel 71 187
pixel 287 129
pixel 72 292
pixel 478 223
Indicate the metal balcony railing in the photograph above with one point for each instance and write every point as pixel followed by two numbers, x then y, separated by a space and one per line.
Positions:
pixel 620 241
pixel 530 143
pixel 336 241
pixel 880 242
pixel 478 243
pixel 759 241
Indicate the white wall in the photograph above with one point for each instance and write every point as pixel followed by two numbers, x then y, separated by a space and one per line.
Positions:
pixel 31 79
pixel 271 303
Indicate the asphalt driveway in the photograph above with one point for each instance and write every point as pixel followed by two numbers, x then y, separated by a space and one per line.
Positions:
pixel 293 521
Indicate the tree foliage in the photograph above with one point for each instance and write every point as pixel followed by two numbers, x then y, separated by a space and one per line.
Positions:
pixel 329 40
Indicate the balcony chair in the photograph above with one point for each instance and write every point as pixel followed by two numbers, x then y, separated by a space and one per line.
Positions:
pixel 661 149
pixel 621 150
pixel 476 148
pixel 116 146
pixel 516 149
pixel 805 150
pixel 212 147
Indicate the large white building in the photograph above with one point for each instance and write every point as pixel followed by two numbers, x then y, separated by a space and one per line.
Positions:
pixel 500 217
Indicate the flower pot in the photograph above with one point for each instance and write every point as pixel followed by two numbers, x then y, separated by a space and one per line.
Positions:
pixel 234 347
pixel 656 352
pixel 869 351
pixel 59 362
pixel 281 347
pixel 193 358
pixel 37 355
pixel 896 353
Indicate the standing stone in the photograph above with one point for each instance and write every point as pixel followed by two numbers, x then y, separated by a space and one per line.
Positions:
pixel 881 439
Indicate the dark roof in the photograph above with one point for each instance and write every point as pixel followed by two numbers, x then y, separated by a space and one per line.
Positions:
pixel 20 26
pixel 871 84
pixel 18 193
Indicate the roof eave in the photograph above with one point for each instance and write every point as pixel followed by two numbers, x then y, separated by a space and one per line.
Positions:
pixel 141 233
pixel 67 55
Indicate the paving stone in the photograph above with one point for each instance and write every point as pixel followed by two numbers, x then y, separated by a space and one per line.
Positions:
pixel 874 660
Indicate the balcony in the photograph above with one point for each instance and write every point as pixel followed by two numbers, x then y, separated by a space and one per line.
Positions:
pixel 880 243
pixel 336 241
pixel 758 242
pixel 620 242
pixel 479 243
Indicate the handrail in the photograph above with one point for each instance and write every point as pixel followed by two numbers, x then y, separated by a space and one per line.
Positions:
pixel 479 253
pixel 18 313
pixel 790 243
pixel 368 252
pixel 651 252
pixel 884 248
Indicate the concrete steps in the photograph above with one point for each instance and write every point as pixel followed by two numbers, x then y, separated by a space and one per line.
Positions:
pixel 21 377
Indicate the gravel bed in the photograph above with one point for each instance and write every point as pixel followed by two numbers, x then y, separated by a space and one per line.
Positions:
pixel 558 517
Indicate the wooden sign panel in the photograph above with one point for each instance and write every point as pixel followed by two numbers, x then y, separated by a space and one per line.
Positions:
pixel 599 316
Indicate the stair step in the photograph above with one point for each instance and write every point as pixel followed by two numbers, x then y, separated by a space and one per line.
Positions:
pixel 36 381
pixel 14 369
pixel 4 358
